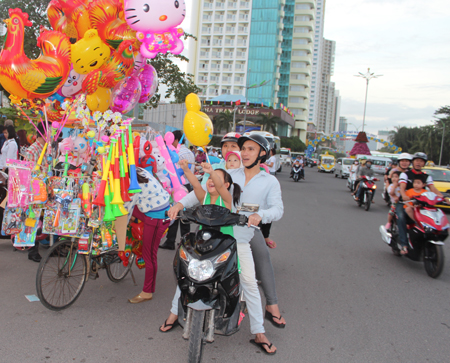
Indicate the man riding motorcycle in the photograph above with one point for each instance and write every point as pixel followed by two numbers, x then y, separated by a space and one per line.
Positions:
pixel 298 163
pixel 366 171
pixel 406 182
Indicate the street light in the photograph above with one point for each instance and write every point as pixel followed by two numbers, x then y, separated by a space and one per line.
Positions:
pixel 442 142
pixel 367 76
pixel 255 85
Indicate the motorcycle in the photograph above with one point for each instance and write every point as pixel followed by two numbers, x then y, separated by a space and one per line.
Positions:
pixel 426 236
pixel 351 181
pixel 207 270
pixel 297 173
pixel 368 187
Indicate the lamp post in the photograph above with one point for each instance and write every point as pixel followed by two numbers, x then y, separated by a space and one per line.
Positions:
pixel 367 76
pixel 442 143
pixel 255 85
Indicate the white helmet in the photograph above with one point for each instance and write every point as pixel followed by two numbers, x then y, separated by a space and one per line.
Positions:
pixel 404 156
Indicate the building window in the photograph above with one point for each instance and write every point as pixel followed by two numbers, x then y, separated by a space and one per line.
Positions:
pixel 299 41
pixel 301 29
pixel 295 100
pixel 299 53
pixel 298 65
pixel 296 88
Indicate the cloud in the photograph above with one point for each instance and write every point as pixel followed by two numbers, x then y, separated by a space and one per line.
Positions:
pixel 406 41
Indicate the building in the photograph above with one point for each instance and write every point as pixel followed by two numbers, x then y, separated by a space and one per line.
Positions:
pixel 342 127
pixel 242 43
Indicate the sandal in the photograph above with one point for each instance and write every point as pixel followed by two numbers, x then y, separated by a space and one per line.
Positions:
pixel 172 326
pixel 404 250
pixel 271 244
pixel 271 318
pixel 261 346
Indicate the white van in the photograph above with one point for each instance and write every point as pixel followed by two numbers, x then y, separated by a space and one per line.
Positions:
pixel 343 166
pixel 285 156
pixel 379 164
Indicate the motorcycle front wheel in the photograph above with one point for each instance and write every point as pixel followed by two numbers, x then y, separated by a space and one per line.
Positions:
pixel 433 260
pixel 196 336
pixel 368 201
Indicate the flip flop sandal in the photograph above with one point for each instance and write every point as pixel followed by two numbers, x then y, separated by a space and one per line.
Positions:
pixel 271 244
pixel 172 326
pixel 261 346
pixel 271 318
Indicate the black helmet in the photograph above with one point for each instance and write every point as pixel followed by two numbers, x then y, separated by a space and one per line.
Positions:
pixel 261 141
pixel 420 155
pixel 394 163
pixel 369 161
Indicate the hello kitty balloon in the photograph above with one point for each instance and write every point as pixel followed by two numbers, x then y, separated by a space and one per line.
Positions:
pixel 156 24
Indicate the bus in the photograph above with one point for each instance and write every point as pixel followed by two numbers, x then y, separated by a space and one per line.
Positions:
pixel 274 142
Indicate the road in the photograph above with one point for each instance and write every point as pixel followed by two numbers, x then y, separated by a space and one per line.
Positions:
pixel 345 297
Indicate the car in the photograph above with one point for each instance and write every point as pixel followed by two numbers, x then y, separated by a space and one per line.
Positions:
pixel 441 179
pixel 311 162
pixel 343 166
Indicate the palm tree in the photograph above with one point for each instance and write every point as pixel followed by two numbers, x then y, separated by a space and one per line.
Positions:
pixel 270 122
pixel 223 121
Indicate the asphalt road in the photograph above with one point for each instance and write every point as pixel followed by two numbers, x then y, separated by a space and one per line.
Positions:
pixel 345 297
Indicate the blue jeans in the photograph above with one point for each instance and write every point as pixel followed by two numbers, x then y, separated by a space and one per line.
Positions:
pixel 401 223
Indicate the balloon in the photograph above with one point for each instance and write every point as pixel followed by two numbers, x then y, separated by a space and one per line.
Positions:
pixel 126 94
pixel 149 82
pixel 197 126
pixel 89 53
pixel 25 78
pixel 100 100
pixel 69 17
pixel 155 22
pixel 169 138
pixel 72 85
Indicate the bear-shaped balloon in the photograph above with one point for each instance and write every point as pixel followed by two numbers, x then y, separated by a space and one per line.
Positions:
pixel 156 24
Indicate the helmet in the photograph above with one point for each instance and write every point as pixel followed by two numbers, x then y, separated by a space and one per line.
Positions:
pixel 231 136
pixel 261 141
pixel 404 156
pixel 369 161
pixel 420 155
pixel 200 149
pixel 394 163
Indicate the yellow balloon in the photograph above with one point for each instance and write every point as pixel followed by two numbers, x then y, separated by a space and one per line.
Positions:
pixel 89 53
pixel 100 100
pixel 198 128
pixel 101 149
pixel 193 103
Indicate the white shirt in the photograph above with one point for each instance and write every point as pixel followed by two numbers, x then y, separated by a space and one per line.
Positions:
pixel 9 151
pixel 396 192
pixel 263 189
pixel 271 160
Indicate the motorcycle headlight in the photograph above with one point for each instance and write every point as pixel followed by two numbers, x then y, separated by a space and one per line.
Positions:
pixel 200 270
pixel 374 187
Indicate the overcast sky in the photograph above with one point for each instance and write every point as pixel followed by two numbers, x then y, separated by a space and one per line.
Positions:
pixel 408 42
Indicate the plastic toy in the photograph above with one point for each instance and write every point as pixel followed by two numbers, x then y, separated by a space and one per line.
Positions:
pixel 126 94
pixel 155 22
pixel 149 82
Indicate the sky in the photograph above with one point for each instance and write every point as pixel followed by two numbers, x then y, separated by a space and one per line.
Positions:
pixel 408 42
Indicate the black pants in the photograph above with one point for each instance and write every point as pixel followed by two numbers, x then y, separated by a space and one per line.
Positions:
pixel 173 229
pixel 265 229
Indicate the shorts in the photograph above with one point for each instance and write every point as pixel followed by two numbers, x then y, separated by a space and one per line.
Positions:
pixel 392 210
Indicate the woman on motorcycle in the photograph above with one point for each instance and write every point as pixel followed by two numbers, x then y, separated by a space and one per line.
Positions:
pixel 264 190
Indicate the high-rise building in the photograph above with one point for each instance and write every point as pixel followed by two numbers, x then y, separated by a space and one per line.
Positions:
pixel 246 42
pixel 342 126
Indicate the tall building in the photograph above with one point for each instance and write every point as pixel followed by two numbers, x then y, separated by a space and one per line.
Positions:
pixel 342 126
pixel 246 42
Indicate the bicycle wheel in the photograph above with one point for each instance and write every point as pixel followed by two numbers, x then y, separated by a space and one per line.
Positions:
pixel 61 275
pixel 115 269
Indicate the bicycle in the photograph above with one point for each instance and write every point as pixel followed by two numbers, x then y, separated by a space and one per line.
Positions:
pixel 63 272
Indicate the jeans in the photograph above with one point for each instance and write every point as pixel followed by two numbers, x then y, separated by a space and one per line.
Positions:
pixel 249 286
pixel 401 223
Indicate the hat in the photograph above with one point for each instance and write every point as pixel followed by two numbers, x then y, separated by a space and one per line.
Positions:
pixel 200 149
pixel 237 153
pixel 9 122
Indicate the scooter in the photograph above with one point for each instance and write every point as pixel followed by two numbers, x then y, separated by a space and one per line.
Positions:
pixel 207 270
pixel 426 236
pixel 297 173
pixel 368 187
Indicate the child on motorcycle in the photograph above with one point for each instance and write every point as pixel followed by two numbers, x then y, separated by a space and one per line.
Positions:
pixel 233 160
pixel 394 193
pixel 417 189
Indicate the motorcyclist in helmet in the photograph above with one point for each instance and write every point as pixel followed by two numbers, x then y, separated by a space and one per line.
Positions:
pixel 364 171
pixel 406 182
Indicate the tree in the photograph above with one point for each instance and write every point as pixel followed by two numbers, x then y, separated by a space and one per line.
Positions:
pixel 37 13
pixel 293 143
pixel 270 122
pixel 223 121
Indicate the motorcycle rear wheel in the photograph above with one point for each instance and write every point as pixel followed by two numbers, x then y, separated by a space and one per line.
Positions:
pixel 433 260
pixel 196 336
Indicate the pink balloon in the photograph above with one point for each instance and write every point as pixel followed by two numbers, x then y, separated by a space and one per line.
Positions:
pixel 126 94
pixel 55 124
pixel 105 139
pixel 149 82
pixel 169 138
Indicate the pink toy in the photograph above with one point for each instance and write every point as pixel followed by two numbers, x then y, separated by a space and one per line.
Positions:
pixel 72 86
pixel 178 192
pixel 19 185
pixel 156 24
pixel 77 148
